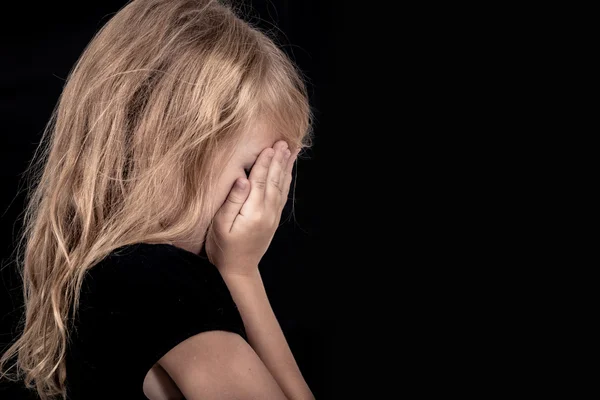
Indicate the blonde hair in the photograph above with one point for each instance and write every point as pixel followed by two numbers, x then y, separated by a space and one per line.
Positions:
pixel 160 94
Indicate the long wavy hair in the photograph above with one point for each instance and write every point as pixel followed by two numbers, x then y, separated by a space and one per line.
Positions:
pixel 149 115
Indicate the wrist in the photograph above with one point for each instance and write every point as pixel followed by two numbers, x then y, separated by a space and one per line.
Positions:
pixel 252 274
pixel 245 286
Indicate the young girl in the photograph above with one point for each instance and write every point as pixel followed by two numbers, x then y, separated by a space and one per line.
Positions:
pixel 161 181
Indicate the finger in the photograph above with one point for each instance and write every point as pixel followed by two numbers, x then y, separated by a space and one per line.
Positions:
pixel 233 204
pixel 288 174
pixel 291 160
pixel 274 189
pixel 286 157
pixel 258 178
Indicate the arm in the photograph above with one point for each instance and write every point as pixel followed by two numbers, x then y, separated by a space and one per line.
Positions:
pixel 219 365
pixel 240 235
pixel 265 335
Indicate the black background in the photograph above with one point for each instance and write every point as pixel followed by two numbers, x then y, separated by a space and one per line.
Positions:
pixel 40 44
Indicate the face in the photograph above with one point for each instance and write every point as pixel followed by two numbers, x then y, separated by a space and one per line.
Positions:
pixel 258 138
pixel 254 141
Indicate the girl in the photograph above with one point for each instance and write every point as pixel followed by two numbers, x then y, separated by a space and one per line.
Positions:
pixel 161 181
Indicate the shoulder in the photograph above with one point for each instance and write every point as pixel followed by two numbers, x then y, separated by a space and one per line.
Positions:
pixel 158 279
pixel 151 258
pixel 143 300
pixel 153 269
pixel 140 302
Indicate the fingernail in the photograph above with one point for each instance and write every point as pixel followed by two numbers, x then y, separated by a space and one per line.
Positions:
pixel 240 184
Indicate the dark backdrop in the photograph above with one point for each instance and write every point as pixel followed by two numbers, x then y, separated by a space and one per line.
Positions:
pixel 40 46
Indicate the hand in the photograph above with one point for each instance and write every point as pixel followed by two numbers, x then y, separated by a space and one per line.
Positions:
pixel 245 224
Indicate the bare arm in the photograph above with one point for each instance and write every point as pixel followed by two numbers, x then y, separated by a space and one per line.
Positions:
pixel 265 335
pixel 219 365
pixel 239 237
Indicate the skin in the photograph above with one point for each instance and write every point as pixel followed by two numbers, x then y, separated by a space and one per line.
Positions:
pixel 157 384
pixel 258 138
pixel 222 365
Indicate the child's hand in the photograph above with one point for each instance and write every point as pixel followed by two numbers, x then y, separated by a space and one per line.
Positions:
pixel 246 222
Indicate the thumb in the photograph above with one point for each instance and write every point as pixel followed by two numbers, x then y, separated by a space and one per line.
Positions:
pixel 233 204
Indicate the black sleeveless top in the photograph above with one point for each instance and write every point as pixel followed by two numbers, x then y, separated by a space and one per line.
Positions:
pixel 137 304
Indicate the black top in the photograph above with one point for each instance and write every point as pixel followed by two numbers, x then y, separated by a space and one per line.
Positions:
pixel 137 304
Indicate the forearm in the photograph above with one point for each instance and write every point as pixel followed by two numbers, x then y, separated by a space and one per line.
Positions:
pixel 265 335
